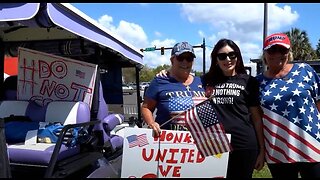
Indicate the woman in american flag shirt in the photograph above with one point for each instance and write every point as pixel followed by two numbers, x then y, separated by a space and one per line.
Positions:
pixel 289 96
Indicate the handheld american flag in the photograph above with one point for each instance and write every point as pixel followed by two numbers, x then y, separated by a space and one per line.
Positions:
pixel 207 131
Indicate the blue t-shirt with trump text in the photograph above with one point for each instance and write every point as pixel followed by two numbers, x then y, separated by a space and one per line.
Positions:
pixel 173 98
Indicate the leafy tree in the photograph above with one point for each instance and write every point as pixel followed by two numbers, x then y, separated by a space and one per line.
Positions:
pixel 129 74
pixel 318 50
pixel 146 74
pixel 198 73
pixel 159 68
pixel 300 44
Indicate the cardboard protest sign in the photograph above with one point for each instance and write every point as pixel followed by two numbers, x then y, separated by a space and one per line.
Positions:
pixel 173 154
pixel 45 77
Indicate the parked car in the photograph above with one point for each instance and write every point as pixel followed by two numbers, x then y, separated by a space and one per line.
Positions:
pixel 133 85
pixel 126 89
pixel 143 85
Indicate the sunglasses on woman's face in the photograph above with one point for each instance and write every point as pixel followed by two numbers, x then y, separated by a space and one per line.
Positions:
pixel 223 56
pixel 186 57
pixel 277 49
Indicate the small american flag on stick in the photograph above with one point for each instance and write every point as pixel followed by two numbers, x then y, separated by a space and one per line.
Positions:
pixel 206 129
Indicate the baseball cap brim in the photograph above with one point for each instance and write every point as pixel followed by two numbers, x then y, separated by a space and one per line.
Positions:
pixel 180 52
pixel 277 43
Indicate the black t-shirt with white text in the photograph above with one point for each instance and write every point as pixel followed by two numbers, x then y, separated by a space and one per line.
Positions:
pixel 232 99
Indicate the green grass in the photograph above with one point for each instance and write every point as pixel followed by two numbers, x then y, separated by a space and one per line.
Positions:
pixel 263 173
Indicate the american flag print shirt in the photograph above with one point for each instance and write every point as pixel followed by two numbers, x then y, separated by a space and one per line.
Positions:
pixel 177 108
pixel 173 98
pixel 291 120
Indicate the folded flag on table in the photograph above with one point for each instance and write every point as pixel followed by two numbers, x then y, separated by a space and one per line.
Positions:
pixel 206 129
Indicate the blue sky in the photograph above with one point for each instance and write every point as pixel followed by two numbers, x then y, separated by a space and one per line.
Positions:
pixel 164 24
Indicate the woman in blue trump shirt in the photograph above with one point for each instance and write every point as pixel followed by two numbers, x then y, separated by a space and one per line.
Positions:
pixel 173 94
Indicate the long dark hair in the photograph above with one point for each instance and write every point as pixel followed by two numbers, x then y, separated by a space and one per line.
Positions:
pixel 215 74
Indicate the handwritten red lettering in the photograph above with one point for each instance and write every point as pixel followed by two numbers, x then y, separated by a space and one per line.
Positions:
pixel 172 159
pixel 44 69
pixel 81 91
pixel 172 155
pixel 160 156
pixel 176 171
pixel 199 158
pixel 144 154
pixel 174 138
pixel 60 90
pixel 191 156
pixel 57 68
pixel 47 88
pixel 166 170
pixel 184 154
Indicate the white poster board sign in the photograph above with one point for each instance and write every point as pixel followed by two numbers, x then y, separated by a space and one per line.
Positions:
pixel 178 156
pixel 45 77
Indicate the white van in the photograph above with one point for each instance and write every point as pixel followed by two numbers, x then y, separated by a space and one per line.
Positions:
pixel 251 68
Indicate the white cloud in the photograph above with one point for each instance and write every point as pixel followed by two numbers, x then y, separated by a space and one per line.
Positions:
pixel 280 17
pixel 107 21
pixel 242 23
pixel 201 34
pixel 158 34
pixel 154 58
pixel 239 20
pixel 144 4
pixel 131 32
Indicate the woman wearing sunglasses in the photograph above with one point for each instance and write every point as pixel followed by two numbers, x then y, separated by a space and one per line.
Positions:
pixel 173 94
pixel 236 98
pixel 290 102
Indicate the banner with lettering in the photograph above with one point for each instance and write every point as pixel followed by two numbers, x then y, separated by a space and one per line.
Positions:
pixel 45 77
pixel 173 154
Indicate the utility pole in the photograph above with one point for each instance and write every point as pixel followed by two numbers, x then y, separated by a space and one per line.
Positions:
pixel 265 31
pixel 204 55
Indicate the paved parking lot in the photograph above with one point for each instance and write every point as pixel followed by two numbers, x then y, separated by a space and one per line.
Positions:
pixel 130 104
pixel 131 99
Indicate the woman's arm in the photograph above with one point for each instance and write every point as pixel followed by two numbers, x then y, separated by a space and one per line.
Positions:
pixel 147 109
pixel 318 105
pixel 256 116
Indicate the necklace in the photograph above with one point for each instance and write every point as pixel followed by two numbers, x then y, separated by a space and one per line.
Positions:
pixel 188 88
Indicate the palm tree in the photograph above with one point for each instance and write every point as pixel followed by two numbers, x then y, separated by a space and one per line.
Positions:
pixel 318 50
pixel 301 46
